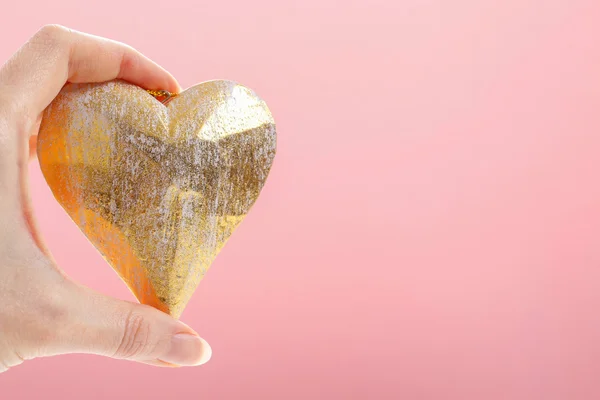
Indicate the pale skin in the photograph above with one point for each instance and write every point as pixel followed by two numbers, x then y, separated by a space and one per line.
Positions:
pixel 42 311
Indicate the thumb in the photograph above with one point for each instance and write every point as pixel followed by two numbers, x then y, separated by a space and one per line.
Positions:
pixel 105 326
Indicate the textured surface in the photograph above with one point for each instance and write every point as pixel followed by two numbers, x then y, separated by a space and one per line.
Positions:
pixel 157 189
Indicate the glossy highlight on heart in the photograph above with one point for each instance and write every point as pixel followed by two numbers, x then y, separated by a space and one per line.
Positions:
pixel 158 189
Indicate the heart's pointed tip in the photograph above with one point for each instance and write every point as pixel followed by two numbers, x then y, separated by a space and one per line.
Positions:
pixel 173 310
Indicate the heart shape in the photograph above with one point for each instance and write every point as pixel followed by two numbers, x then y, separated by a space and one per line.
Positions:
pixel 157 189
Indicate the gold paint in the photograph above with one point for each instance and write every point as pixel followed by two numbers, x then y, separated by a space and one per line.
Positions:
pixel 158 189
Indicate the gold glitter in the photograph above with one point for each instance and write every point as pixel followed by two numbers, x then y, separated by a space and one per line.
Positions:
pixel 158 189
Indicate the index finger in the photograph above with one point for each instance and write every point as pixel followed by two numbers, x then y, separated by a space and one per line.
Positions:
pixel 56 55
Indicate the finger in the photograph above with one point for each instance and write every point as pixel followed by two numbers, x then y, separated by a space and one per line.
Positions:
pixel 31 79
pixel 56 55
pixel 119 329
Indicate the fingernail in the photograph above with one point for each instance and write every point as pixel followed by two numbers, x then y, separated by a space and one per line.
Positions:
pixel 187 350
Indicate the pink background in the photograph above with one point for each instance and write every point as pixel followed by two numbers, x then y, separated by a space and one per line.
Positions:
pixel 431 226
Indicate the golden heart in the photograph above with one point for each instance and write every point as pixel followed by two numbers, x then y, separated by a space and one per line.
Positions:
pixel 157 189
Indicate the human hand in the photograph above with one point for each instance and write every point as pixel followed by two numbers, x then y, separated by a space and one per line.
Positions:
pixel 43 312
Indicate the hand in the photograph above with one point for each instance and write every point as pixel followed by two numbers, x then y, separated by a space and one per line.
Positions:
pixel 42 311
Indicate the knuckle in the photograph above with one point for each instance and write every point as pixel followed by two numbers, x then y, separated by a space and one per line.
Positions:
pixel 136 337
pixel 53 30
pixel 51 35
